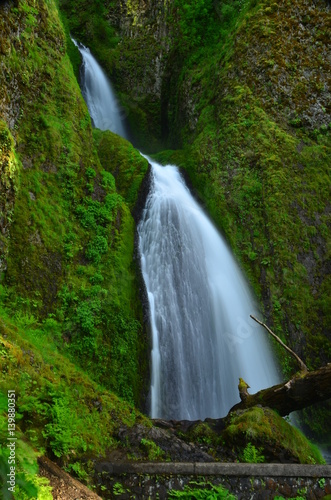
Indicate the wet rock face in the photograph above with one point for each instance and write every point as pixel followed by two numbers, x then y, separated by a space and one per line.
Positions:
pixel 287 61
pixel 133 17
pixel 10 83
pixel 139 63
pixel 145 31
pixel 169 445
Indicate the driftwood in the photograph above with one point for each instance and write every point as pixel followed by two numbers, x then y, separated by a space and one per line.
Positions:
pixel 303 389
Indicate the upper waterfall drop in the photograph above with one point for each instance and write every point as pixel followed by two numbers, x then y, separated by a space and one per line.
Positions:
pixel 99 96
pixel 202 337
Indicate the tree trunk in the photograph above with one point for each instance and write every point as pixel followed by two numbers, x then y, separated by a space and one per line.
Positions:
pixel 303 390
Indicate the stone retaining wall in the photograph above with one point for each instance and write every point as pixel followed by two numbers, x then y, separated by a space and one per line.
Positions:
pixel 142 481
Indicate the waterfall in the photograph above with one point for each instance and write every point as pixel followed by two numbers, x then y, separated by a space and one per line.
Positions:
pixel 202 337
pixel 104 109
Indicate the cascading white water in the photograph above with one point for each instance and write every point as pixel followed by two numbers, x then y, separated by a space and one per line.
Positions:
pixel 99 96
pixel 203 339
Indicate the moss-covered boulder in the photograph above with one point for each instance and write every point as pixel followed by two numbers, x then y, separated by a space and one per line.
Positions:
pixel 126 164
pixel 260 435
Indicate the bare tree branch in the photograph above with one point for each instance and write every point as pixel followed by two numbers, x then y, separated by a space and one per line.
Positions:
pixel 301 363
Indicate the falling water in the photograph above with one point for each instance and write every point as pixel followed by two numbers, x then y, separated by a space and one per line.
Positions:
pixel 202 337
pixel 99 96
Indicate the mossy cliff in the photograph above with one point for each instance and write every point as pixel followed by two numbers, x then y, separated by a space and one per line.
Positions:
pixel 260 160
pixel 72 240
pixel 67 234
pixel 260 155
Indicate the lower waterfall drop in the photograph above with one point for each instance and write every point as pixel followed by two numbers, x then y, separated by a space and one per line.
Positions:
pixel 203 339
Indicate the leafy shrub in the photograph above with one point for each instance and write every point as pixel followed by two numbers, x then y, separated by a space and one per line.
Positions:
pixel 252 455
pixel 62 433
pixel 96 248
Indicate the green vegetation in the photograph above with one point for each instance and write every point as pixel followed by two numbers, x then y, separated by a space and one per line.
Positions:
pixel 60 410
pixel 200 491
pixel 204 436
pixel 251 455
pixel 71 247
pixel 9 175
pixel 127 165
pixel 293 498
pixel 204 23
pixel 154 452
pixel 26 457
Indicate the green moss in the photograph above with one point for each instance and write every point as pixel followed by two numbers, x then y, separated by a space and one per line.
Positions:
pixel 9 167
pixel 204 435
pixel 270 434
pixel 124 162
pixel 154 452
pixel 27 483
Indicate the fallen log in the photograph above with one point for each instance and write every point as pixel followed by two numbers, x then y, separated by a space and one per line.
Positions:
pixel 303 390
